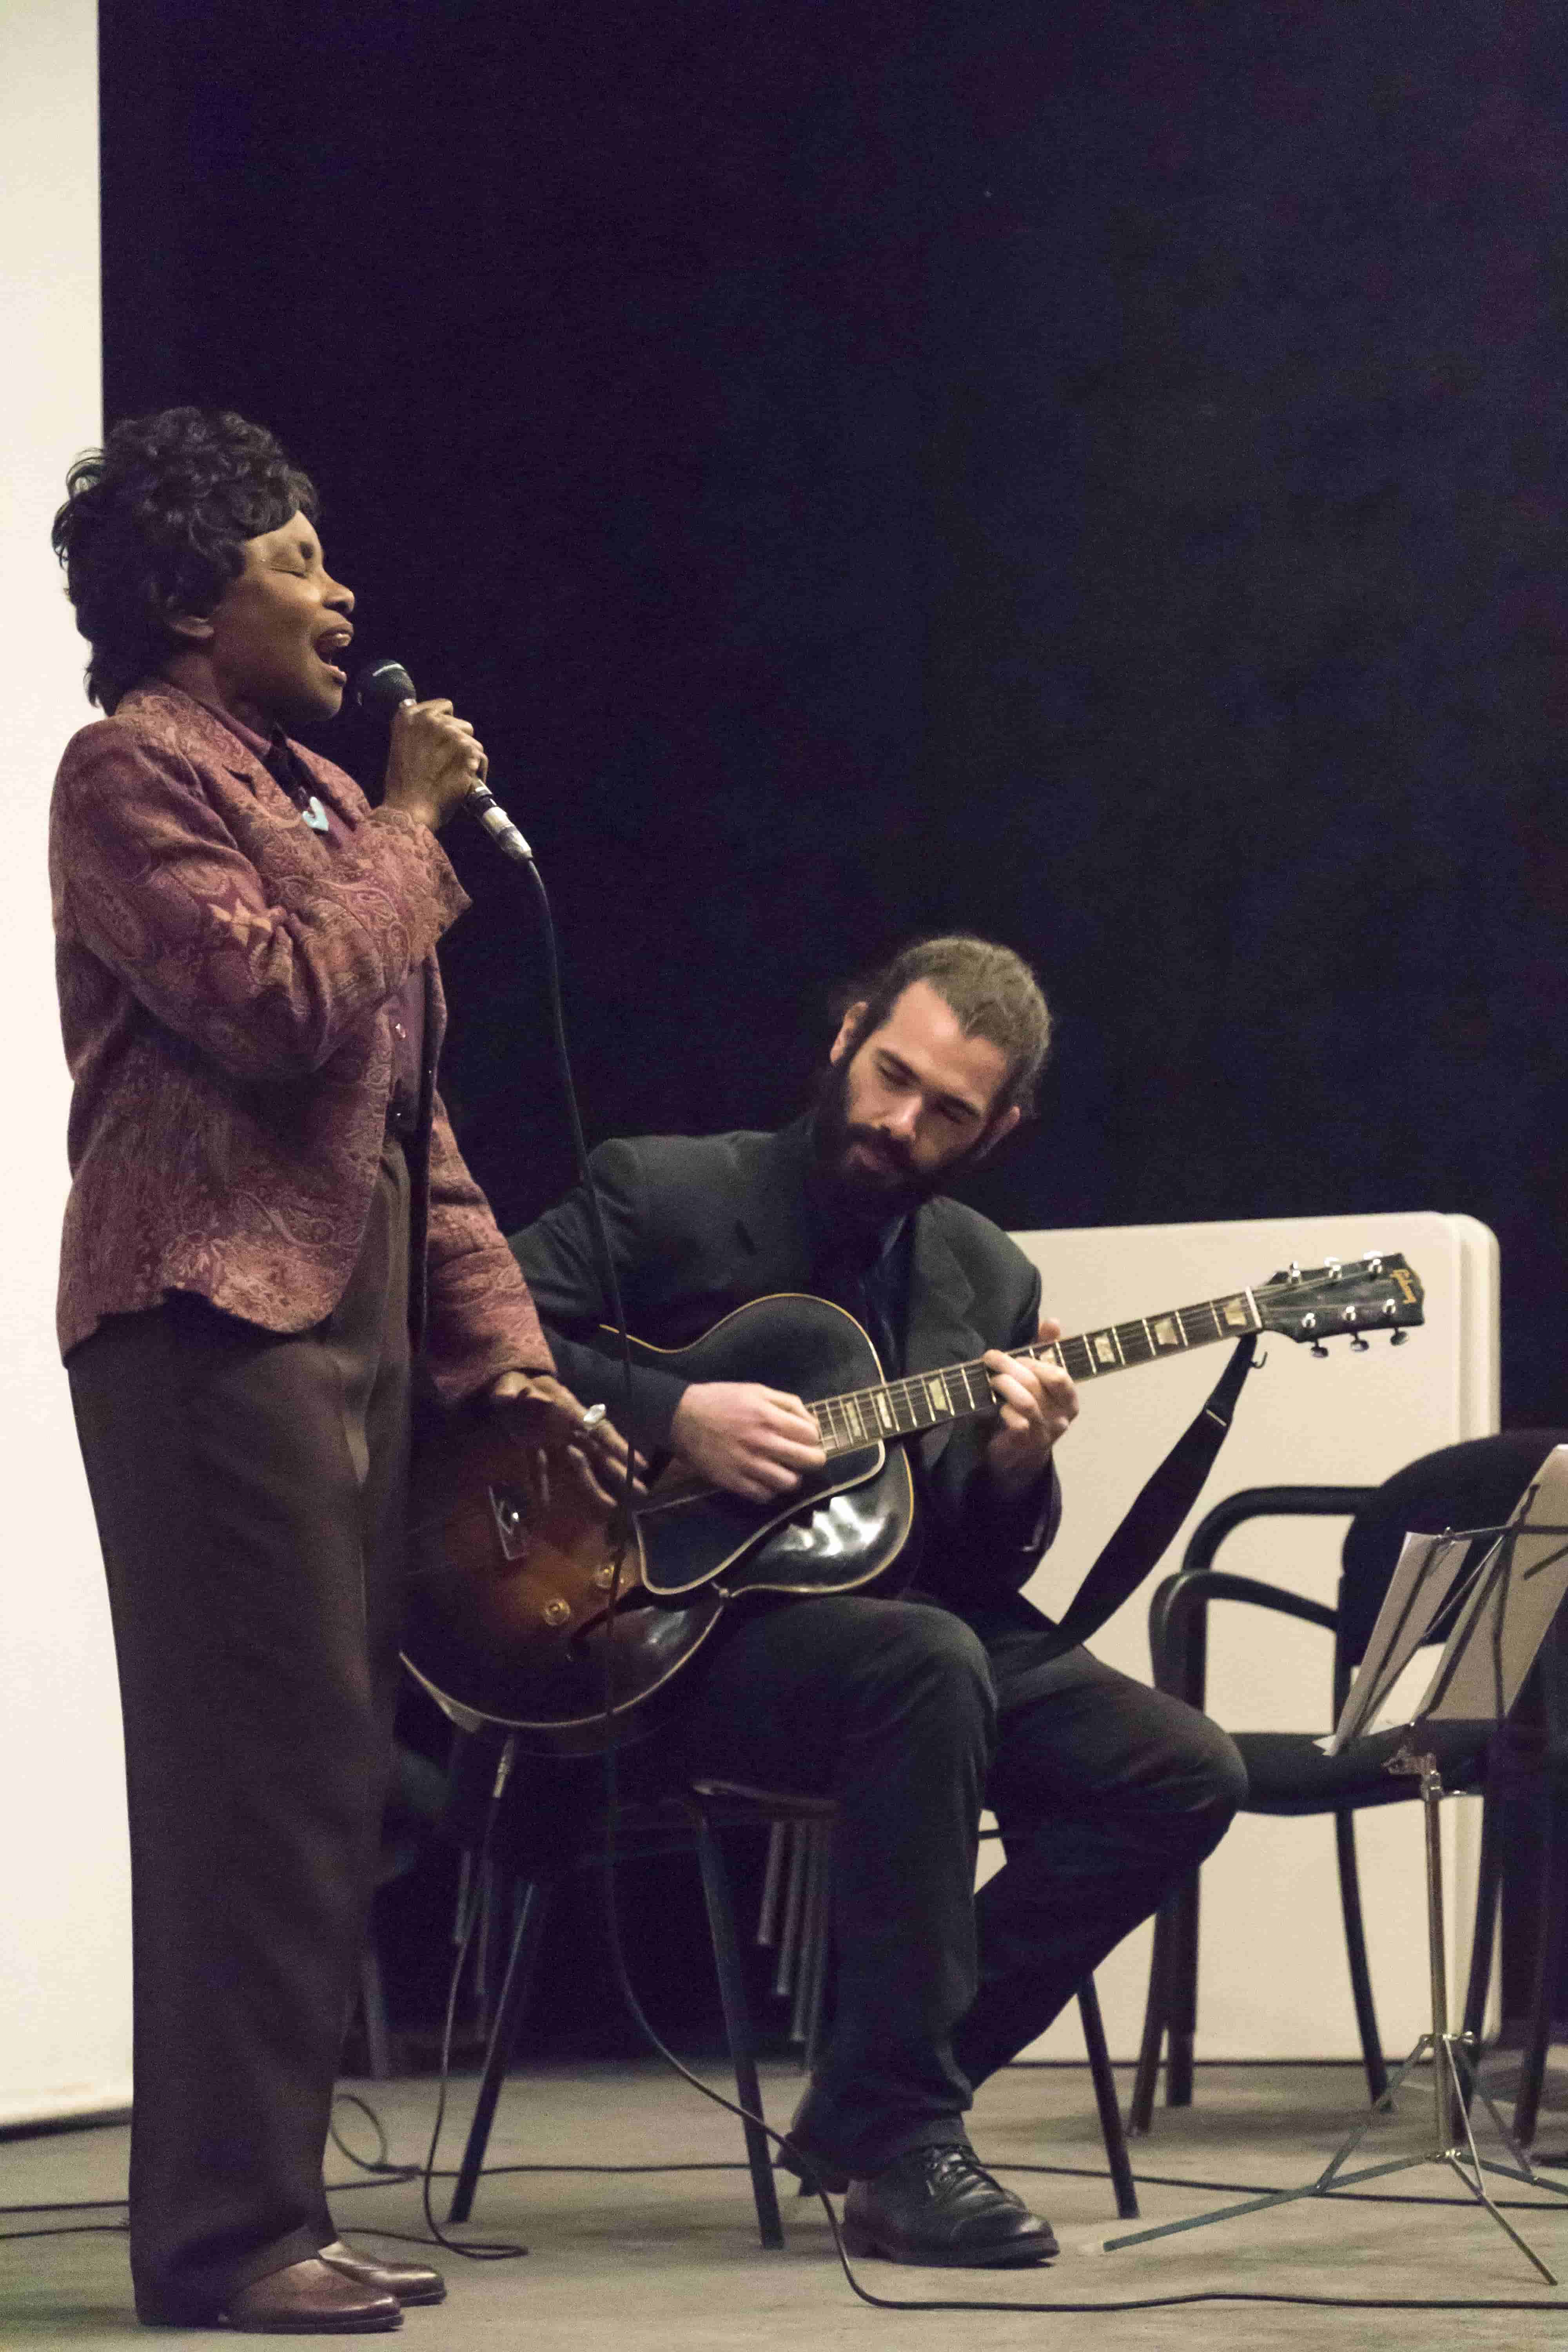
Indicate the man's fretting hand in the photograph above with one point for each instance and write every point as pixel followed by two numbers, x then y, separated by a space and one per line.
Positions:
pixel 1038 1405
pixel 750 1440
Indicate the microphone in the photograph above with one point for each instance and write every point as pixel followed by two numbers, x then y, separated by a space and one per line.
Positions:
pixel 380 688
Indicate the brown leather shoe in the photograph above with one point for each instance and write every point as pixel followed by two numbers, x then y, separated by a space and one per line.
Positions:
pixel 308 2298
pixel 409 2281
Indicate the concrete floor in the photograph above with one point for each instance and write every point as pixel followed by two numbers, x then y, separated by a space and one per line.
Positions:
pixel 671 2258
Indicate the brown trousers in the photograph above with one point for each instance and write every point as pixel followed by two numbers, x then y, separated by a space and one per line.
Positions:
pixel 250 1496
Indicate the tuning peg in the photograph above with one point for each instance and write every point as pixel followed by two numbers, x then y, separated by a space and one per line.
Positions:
pixel 1358 1344
pixel 1397 1339
pixel 1319 1348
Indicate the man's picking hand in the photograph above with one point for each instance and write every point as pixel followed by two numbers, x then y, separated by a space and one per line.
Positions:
pixel 1038 1405
pixel 750 1440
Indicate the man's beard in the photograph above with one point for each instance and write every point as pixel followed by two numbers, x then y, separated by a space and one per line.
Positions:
pixel 870 1197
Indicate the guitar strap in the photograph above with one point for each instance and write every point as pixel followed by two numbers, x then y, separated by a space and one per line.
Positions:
pixel 1151 1524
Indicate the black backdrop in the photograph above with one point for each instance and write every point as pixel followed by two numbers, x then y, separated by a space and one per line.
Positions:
pixel 1085 473
pixel 1088 473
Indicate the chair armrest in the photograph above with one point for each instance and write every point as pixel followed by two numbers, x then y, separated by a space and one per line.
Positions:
pixel 1269 1502
pixel 1178 1630
pixel 1182 1604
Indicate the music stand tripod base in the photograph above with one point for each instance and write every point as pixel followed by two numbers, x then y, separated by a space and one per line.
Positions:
pixel 1455 2088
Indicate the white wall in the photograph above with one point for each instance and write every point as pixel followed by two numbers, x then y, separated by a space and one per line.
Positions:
pixel 65 2018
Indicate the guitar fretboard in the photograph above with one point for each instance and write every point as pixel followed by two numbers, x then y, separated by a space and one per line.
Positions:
pixel 862 1417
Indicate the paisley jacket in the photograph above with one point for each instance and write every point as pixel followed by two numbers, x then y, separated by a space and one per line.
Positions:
pixel 223 978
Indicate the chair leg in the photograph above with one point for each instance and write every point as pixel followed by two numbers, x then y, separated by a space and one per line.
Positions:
pixel 1548 1971
pixel 1104 2083
pixel 373 2011
pixel 1181 2011
pixel 1156 2010
pixel 515 1988
pixel 738 2026
pixel 1488 1888
pixel 1355 1953
pixel 816 1951
pixel 773 1884
pixel 793 1908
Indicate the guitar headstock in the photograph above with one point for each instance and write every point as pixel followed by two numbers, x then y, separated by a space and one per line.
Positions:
pixel 1350 1298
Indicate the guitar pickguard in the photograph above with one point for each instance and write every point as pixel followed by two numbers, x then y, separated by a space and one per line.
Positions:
pixel 841 1528
pixel 837 1545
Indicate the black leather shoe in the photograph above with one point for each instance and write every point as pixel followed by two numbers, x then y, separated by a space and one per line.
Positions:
pixel 409 2281
pixel 939 2206
pixel 308 2298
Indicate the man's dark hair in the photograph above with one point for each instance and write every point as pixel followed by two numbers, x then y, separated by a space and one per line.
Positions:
pixel 992 991
pixel 154 524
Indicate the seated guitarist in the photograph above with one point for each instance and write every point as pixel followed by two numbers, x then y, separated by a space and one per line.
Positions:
pixel 913 1708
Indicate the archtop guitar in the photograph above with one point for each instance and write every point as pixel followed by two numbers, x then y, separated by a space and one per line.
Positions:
pixel 518 1579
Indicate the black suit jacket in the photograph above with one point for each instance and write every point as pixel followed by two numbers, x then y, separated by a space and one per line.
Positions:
pixel 697 1226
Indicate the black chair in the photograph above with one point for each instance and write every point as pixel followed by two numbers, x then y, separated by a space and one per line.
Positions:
pixel 1472 1485
pixel 793 1916
pixel 683 1821
pixel 416 1799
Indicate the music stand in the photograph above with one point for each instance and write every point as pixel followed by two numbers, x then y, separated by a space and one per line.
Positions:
pixel 1504 1605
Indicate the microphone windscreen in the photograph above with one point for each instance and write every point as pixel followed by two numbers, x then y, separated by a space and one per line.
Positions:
pixel 382 685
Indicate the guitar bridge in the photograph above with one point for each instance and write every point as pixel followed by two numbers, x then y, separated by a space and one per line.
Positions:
pixel 506 1513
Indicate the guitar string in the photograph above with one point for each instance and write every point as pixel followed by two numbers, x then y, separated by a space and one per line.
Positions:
pixel 850 1421
pixel 911 1393
pixel 1134 1346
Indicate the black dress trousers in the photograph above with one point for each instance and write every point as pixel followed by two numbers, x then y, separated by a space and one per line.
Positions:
pixel 250 1492
pixel 1105 1792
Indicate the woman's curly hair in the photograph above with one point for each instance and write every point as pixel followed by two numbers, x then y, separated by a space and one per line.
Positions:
pixel 155 523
